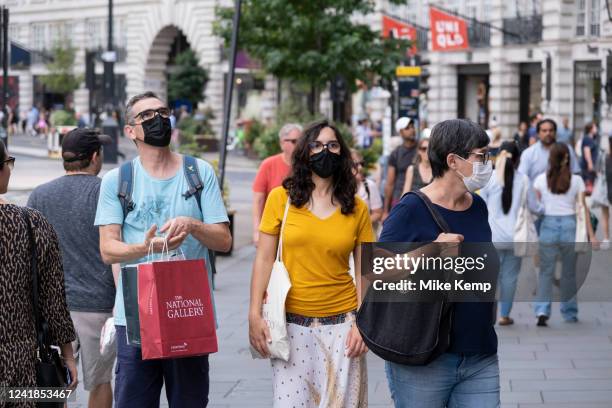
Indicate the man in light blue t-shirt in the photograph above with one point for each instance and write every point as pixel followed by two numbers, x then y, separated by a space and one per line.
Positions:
pixel 160 208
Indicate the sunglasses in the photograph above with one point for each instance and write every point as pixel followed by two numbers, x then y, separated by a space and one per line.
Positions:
pixel 292 141
pixel 10 162
pixel 423 148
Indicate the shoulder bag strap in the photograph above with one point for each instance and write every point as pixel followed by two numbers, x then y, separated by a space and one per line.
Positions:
pixel 279 250
pixel 40 327
pixel 192 173
pixel 440 221
pixel 126 181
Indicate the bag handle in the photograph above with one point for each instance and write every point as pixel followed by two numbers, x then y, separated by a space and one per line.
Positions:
pixel 279 250
pixel 41 326
pixel 439 220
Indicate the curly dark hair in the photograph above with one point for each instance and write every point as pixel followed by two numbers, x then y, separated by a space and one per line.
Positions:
pixel 299 184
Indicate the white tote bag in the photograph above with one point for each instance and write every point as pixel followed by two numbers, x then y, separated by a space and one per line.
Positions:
pixel 274 303
pixel 582 233
pixel 525 234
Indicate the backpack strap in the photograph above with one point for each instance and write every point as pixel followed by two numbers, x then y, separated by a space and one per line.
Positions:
pixel 190 167
pixel 126 185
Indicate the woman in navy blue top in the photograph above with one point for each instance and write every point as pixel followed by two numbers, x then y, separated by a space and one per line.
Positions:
pixel 467 375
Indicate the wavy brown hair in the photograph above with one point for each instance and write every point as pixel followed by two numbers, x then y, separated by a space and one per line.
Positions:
pixel 299 184
pixel 559 175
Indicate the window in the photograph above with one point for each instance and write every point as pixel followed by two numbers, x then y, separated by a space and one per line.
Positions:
pixel 595 18
pixel 588 18
pixel 581 17
pixel 94 33
pixel 37 36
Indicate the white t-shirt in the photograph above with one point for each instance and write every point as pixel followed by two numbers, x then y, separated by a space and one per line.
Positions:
pixel 559 204
pixel 373 200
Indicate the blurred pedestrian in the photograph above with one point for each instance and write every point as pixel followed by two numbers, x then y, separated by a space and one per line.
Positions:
pixel 363 133
pixel 495 143
pixel 559 191
pixel 532 132
pixel 367 189
pixel 503 196
pixel 18 348
pixel 418 174
pixel 602 191
pixel 467 373
pixel 590 151
pixel 69 203
pixel 399 160
pixel 521 136
pixel 324 224
pixel 273 171
pixel 565 134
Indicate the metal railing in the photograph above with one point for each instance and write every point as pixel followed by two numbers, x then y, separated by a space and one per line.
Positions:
pixel 479 34
pixel 523 30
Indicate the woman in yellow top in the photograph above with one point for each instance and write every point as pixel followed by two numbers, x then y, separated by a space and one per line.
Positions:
pixel 325 223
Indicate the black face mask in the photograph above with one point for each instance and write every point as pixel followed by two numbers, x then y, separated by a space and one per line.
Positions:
pixel 325 163
pixel 157 131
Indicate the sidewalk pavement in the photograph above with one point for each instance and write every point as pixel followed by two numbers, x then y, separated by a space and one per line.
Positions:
pixel 562 366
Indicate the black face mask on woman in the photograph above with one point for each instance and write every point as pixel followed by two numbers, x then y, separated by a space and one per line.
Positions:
pixel 157 131
pixel 325 163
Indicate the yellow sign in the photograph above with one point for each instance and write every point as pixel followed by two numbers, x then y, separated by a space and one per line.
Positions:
pixel 408 71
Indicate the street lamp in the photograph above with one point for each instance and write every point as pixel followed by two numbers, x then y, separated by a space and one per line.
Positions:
pixel 609 10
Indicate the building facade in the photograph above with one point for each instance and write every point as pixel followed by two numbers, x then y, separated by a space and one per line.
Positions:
pixel 146 35
pixel 525 56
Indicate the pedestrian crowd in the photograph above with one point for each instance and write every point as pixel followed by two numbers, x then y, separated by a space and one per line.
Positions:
pixel 314 205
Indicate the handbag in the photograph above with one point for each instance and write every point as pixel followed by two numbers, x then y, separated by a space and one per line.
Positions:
pixel 425 332
pixel 582 236
pixel 273 309
pixel 525 235
pixel 50 369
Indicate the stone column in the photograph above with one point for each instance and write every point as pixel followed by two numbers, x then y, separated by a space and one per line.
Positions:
pixel 558 15
pixel 442 95
pixel 503 80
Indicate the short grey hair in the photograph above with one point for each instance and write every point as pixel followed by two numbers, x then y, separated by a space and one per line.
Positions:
pixel 129 115
pixel 288 128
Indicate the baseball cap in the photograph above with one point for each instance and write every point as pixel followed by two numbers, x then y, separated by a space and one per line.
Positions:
pixel 79 144
pixel 402 123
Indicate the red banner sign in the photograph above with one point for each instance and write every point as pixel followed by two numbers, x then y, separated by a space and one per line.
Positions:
pixel 397 29
pixel 448 32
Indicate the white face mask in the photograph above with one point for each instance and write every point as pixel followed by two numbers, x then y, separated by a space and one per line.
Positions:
pixel 481 174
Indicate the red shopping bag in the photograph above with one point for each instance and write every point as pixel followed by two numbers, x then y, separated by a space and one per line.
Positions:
pixel 175 310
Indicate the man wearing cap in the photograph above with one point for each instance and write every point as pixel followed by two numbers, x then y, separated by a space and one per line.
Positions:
pixel 399 160
pixel 69 203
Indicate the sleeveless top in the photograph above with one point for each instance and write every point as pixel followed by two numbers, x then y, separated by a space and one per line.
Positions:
pixel 417 179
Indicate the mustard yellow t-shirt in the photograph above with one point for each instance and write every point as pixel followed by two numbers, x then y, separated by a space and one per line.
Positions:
pixel 316 254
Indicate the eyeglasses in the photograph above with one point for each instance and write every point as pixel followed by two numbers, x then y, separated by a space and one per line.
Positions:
pixel 317 147
pixel 359 164
pixel 292 141
pixel 484 157
pixel 10 162
pixel 150 114
pixel 423 148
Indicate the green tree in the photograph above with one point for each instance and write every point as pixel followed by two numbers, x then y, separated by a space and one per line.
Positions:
pixel 61 78
pixel 189 79
pixel 315 41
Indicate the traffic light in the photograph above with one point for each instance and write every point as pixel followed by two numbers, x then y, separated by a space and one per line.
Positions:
pixel 424 87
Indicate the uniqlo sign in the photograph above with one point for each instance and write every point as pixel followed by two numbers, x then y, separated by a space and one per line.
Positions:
pixel 448 32
pixel 397 29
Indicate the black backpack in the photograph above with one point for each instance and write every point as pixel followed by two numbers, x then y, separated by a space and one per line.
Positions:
pixel 410 333
pixel 126 183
